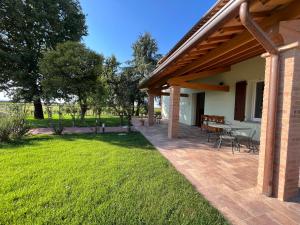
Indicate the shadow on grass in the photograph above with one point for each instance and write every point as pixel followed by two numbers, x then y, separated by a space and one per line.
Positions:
pixel 125 140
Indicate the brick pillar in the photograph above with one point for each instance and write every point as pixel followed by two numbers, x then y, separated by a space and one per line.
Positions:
pixel 173 124
pixel 286 164
pixel 150 109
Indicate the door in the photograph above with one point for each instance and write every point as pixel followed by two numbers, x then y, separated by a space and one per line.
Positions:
pixel 200 107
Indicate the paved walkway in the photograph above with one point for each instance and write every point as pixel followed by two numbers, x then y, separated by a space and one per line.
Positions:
pixel 79 130
pixel 227 181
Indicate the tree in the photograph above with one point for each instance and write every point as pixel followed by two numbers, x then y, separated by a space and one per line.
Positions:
pixel 144 61
pixel 27 28
pixel 70 72
pixel 145 55
pixel 121 89
pixel 98 98
pixel 110 72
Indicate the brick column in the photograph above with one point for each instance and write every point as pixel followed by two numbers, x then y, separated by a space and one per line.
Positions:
pixel 150 109
pixel 285 183
pixel 173 124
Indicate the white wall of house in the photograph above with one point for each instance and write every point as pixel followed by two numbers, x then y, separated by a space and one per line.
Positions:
pixel 187 112
pixel 222 103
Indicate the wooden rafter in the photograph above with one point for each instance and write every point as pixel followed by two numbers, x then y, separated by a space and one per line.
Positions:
pixel 223 49
pixel 219 38
pixel 233 54
pixel 291 11
pixel 207 46
pixel 236 28
pixel 238 58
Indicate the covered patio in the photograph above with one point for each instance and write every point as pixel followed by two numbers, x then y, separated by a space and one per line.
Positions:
pixel 243 58
pixel 227 181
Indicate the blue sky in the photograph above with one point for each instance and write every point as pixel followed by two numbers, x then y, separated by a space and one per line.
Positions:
pixel 113 25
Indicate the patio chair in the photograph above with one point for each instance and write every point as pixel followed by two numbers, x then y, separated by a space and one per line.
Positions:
pixel 157 119
pixel 228 138
pixel 249 139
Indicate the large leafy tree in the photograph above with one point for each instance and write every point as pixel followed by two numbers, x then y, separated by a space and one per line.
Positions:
pixel 71 71
pixel 145 58
pixel 27 28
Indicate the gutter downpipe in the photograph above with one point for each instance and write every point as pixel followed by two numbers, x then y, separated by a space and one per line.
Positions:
pixel 271 48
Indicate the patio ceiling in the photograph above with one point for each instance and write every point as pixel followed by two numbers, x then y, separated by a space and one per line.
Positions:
pixel 225 44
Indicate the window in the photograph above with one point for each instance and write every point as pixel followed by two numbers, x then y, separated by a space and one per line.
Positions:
pixel 258 100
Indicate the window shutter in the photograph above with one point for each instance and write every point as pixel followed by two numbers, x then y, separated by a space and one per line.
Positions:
pixel 240 100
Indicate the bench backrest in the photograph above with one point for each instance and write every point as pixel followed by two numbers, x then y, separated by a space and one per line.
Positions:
pixel 212 118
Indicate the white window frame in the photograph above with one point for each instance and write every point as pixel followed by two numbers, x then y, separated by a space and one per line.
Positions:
pixel 253 118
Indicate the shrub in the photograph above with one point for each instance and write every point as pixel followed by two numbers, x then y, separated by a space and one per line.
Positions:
pixel 5 129
pixel 20 127
pixel 12 126
pixel 58 128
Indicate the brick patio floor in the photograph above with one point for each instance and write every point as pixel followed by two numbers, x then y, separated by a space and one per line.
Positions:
pixel 227 181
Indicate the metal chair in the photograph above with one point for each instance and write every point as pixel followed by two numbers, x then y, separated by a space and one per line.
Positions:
pixel 228 138
pixel 249 139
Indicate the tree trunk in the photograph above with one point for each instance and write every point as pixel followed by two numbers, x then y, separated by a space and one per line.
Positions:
pixel 129 123
pixel 133 109
pixel 121 119
pixel 38 109
pixel 83 109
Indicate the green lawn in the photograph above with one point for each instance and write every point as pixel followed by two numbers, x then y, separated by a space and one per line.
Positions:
pixel 89 179
pixel 109 120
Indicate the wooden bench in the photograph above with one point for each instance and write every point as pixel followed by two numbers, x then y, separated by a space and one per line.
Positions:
pixel 206 119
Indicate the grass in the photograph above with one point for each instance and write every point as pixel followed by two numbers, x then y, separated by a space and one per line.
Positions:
pixel 109 120
pixel 89 179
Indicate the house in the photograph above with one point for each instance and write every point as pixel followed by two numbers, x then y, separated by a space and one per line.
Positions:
pixel 240 61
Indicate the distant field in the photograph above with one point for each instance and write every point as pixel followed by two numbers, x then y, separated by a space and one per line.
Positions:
pixel 90 119
pixel 109 120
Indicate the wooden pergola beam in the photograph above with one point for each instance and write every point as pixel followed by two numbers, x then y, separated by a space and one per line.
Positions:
pixel 199 75
pixel 158 92
pixel 168 94
pixel 201 86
